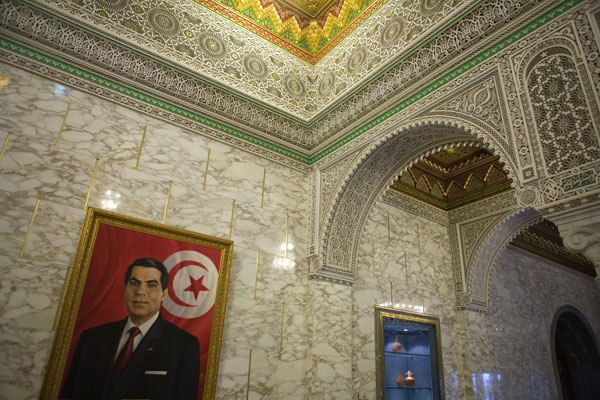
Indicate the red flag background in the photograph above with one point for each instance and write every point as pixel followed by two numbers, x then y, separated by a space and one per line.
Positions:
pixel 103 298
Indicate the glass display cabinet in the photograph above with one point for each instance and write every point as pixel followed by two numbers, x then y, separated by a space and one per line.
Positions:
pixel 409 361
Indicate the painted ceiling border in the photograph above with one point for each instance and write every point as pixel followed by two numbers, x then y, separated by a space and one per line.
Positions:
pixel 290 47
pixel 492 50
pixel 305 123
pixel 183 70
pixel 125 90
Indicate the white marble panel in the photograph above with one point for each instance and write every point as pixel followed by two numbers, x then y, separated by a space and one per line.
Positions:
pixel 175 154
pixel 31 107
pixel 129 192
pixel 199 211
pixel 294 343
pixel 282 280
pixel 234 174
pixel 285 190
pixel 15 216
pixel 31 168
pixel 243 276
pixel 103 130
pixel 296 238
pixel 232 380
pixel 275 334
pixel 29 300
pixel 251 323
pixel 331 321
pixel 259 229
pixel 330 378
pixel 53 236
pixel 265 377
pixel 55 233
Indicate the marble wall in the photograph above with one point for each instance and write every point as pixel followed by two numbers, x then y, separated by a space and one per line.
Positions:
pixel 405 260
pixel 285 337
pixel 63 142
pixel 510 347
pixel 503 354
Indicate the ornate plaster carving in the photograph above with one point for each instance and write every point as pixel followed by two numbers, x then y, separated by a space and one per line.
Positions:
pixel 414 206
pixel 495 240
pixel 377 167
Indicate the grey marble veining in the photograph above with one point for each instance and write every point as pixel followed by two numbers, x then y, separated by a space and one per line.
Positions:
pixel 284 336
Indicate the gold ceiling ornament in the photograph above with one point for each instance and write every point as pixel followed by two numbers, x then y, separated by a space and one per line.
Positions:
pixel 308 29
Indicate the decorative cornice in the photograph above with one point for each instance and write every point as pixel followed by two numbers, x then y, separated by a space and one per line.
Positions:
pixel 536 244
pixel 305 144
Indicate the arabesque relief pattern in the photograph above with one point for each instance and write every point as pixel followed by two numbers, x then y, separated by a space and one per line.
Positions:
pixel 301 92
pixel 573 182
pixel 380 166
pixel 507 93
pixel 190 35
pixel 445 50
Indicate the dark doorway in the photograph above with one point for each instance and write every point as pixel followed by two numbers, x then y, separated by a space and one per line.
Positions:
pixel 577 359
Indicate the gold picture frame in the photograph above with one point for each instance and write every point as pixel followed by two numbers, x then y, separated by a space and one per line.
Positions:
pixel 109 243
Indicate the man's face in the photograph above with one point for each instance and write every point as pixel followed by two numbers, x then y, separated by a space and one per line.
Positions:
pixel 143 294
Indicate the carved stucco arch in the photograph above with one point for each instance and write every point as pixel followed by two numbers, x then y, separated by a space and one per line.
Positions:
pixel 375 170
pixel 488 250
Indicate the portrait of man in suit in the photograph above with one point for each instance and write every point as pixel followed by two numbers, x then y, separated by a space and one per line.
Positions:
pixel 140 357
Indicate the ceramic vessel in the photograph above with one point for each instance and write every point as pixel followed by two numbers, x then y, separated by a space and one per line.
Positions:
pixel 396 346
pixel 410 380
pixel 399 379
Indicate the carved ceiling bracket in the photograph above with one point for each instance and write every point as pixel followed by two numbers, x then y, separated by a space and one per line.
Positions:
pixel 580 231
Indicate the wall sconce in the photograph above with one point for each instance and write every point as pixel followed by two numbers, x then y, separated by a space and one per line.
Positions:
pixel 111 200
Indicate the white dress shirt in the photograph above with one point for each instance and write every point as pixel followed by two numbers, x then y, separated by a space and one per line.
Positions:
pixel 144 328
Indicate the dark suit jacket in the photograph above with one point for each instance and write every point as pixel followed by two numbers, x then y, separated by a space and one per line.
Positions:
pixel 165 365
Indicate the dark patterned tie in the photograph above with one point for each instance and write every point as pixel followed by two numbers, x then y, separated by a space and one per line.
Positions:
pixel 124 355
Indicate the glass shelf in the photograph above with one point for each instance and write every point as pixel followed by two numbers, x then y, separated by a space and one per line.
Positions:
pixel 404 353
pixel 419 338
pixel 407 388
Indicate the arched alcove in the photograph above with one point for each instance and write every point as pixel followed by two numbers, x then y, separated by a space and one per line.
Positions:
pixel 576 356
pixel 380 164
pixel 488 250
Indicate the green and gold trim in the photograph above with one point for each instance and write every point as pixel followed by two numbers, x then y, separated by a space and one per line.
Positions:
pixel 305 159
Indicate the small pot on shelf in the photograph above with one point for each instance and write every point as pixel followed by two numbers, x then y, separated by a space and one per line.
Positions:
pixel 410 379
pixel 396 346
pixel 399 379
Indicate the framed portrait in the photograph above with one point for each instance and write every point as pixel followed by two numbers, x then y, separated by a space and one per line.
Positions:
pixel 94 291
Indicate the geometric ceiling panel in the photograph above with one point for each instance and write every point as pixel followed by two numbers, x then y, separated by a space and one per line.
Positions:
pixel 454 177
pixel 308 29
pixel 220 63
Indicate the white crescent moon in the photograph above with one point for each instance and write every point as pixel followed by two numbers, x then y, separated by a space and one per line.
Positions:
pixel 181 280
